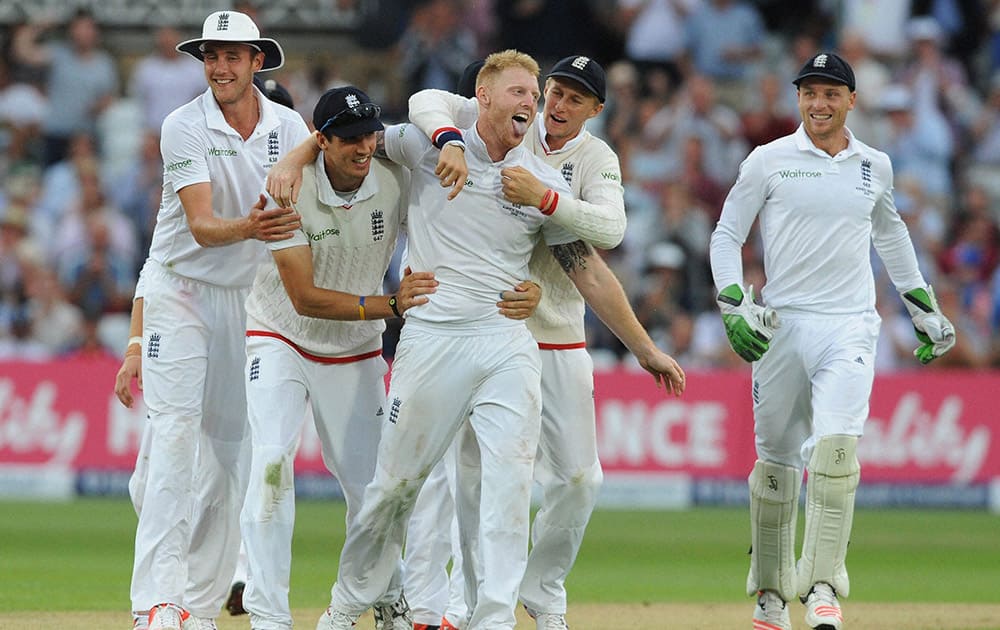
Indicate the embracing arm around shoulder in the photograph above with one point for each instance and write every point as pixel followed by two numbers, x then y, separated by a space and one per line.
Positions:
pixel 285 178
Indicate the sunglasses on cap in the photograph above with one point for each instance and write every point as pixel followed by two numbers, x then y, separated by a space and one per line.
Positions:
pixel 358 112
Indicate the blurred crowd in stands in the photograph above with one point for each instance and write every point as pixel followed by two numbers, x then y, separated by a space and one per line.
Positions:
pixel 693 86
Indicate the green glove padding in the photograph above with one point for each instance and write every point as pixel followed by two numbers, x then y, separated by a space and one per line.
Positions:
pixel 749 326
pixel 934 332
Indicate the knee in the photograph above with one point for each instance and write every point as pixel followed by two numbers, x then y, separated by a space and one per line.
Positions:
pixel 584 482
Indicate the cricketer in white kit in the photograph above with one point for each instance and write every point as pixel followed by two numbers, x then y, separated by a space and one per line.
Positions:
pixel 567 464
pixel 458 362
pixel 300 348
pixel 187 538
pixel 822 198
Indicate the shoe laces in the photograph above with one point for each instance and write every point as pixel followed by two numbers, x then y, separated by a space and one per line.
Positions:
pixel 386 616
pixel 772 605
pixel 338 619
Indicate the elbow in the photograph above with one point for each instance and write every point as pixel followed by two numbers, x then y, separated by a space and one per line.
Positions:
pixel 611 241
pixel 302 304
pixel 200 238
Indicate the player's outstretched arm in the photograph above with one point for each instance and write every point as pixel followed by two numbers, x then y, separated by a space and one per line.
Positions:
pixel 605 295
pixel 131 368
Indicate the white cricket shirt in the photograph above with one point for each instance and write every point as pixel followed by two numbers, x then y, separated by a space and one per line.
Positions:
pixel 596 214
pixel 819 216
pixel 477 244
pixel 351 245
pixel 198 145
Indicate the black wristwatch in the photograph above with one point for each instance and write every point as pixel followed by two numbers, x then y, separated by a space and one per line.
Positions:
pixel 392 305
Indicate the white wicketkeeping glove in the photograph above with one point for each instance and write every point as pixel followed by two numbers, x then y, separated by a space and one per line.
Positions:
pixel 935 333
pixel 749 326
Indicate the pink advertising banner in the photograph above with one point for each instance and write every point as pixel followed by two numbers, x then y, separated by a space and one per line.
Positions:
pixel 926 426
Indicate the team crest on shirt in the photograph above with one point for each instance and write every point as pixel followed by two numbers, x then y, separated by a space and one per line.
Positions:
pixel 378 226
pixel 153 347
pixel 866 178
pixel 567 173
pixel 273 149
pixel 255 369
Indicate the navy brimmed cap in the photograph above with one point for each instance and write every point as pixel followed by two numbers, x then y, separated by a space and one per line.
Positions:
pixel 274 91
pixel 829 66
pixel 346 112
pixel 584 71
pixel 467 82
pixel 234 27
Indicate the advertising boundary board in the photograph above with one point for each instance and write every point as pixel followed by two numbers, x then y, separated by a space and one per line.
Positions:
pixel 932 438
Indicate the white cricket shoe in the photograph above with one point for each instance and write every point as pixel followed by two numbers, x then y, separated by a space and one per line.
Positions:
pixel 199 623
pixel 140 621
pixel 771 612
pixel 548 621
pixel 167 617
pixel 395 616
pixel 336 620
pixel 822 608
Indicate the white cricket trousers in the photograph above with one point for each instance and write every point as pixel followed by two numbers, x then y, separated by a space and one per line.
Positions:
pixel 443 377
pixel 815 380
pixel 347 400
pixel 569 472
pixel 432 540
pixel 187 538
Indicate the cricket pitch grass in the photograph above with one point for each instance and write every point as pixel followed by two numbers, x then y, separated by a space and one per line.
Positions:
pixel 67 566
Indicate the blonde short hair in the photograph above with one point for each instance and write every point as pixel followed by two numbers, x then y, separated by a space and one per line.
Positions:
pixel 500 61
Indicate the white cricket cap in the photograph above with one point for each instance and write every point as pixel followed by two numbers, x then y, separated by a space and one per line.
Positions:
pixel 233 26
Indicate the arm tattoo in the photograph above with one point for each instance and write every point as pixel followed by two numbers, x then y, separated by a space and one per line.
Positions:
pixel 380 144
pixel 572 256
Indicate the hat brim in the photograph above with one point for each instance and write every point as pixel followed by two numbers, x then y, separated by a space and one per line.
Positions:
pixel 582 81
pixel 274 57
pixel 357 128
pixel 824 75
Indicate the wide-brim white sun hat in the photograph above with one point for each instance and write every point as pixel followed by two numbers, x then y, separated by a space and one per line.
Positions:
pixel 233 26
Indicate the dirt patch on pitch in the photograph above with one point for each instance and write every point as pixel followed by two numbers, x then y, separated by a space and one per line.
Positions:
pixel 857 616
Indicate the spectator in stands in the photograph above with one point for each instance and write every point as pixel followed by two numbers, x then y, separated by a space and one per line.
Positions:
pixel 436 47
pixel 137 190
pixel 725 41
pixel 13 299
pixel 936 79
pixel 919 141
pixel 94 224
pixel 699 112
pixel 654 35
pixel 53 321
pixel 767 116
pixel 164 79
pixel 881 24
pixel 61 181
pixel 82 78
pixel 23 108
pixel 618 124
pixel 872 77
